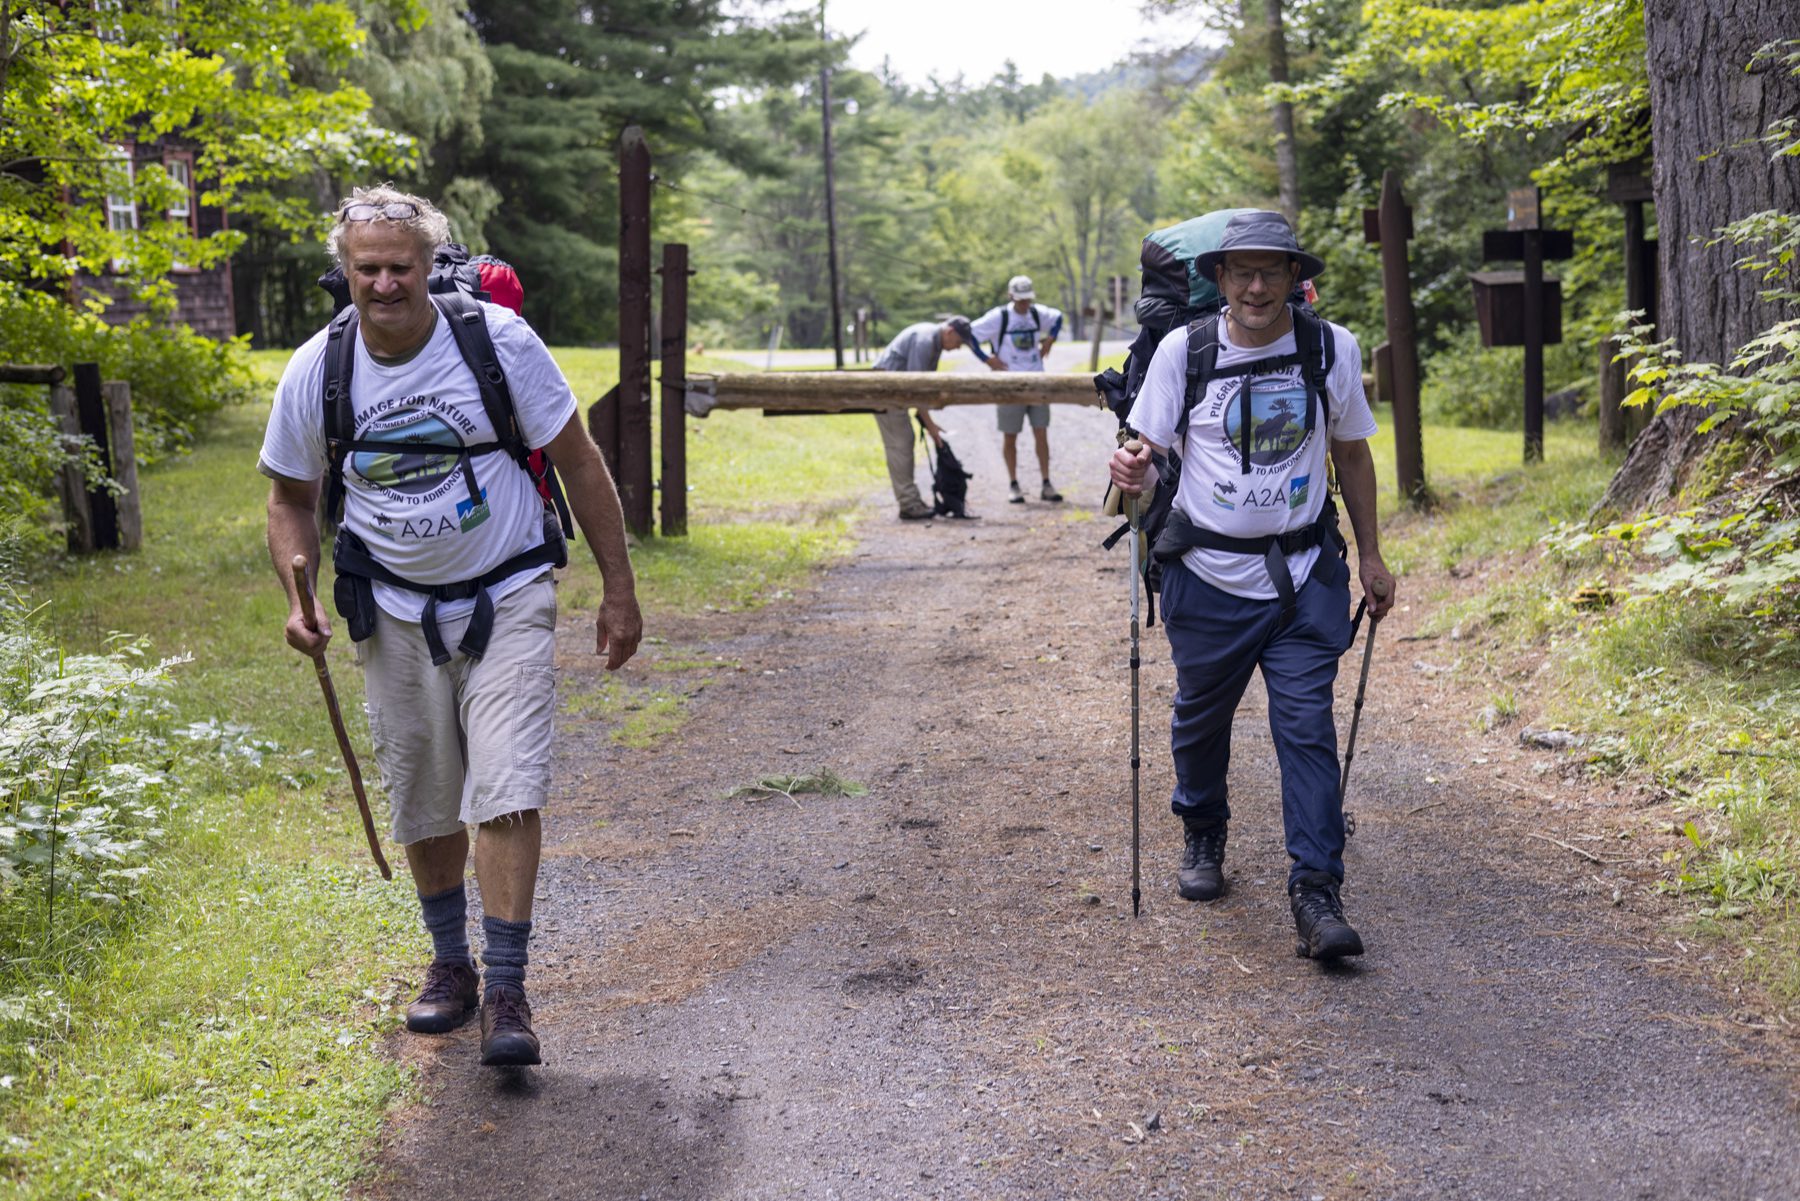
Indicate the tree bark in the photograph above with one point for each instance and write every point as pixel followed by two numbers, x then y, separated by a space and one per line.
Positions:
pixel 1287 163
pixel 1705 109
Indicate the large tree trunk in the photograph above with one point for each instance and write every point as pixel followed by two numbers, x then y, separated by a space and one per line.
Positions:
pixel 1287 162
pixel 1704 103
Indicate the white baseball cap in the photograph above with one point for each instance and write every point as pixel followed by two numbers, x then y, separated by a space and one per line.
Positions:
pixel 1019 288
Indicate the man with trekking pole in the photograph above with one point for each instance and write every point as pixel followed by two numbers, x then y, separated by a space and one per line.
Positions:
pixel 415 417
pixel 1254 570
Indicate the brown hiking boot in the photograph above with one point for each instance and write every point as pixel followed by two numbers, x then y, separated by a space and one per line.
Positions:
pixel 506 1037
pixel 451 990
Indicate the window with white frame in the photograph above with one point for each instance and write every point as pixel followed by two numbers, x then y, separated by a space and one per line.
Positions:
pixel 181 174
pixel 121 205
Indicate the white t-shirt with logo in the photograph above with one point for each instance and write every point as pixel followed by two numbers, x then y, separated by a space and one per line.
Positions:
pixel 414 511
pixel 1018 349
pixel 1285 486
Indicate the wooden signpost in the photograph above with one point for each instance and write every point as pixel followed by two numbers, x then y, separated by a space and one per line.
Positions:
pixel 1523 308
pixel 1390 225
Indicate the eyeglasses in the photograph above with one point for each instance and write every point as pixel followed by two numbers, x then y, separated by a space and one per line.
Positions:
pixel 1272 277
pixel 397 210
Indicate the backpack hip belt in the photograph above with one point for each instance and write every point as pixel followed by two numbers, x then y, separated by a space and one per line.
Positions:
pixel 354 593
pixel 1181 535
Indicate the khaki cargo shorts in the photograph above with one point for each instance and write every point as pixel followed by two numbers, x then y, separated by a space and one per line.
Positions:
pixel 470 741
pixel 1011 418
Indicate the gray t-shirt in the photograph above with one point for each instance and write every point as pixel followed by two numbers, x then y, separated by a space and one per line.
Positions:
pixel 915 348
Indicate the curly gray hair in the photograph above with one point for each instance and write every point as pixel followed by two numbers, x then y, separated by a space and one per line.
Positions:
pixel 430 226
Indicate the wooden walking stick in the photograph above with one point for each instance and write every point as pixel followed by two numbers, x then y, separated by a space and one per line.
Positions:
pixel 310 616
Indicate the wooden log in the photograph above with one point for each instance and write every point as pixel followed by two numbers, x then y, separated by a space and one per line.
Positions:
pixel 31 373
pixel 844 391
pixel 124 457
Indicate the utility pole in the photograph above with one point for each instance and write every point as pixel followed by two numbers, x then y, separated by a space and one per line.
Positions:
pixel 837 315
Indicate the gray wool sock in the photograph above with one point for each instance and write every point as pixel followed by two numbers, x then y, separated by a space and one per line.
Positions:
pixel 447 920
pixel 504 954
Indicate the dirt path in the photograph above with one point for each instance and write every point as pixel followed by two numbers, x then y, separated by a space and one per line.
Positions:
pixel 937 989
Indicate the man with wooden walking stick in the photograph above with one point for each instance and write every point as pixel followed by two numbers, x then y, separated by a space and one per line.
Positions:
pixel 417 415
pixel 1253 566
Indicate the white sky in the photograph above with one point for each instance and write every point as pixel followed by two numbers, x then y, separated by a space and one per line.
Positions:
pixel 976 37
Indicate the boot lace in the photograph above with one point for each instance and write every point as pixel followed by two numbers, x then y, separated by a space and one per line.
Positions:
pixel 1319 904
pixel 1204 847
pixel 511 1012
pixel 444 981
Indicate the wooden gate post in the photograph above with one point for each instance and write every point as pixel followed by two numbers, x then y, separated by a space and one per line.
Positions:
pixel 674 389
pixel 90 413
pixel 124 458
pixel 634 331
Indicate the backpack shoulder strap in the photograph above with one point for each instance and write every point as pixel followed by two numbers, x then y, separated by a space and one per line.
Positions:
pixel 1005 312
pixel 1317 348
pixel 468 326
pixel 1202 362
pixel 339 421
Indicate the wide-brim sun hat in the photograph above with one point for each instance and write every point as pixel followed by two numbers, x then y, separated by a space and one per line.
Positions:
pixel 1257 231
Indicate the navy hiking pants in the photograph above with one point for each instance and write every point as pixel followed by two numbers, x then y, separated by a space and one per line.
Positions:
pixel 1216 640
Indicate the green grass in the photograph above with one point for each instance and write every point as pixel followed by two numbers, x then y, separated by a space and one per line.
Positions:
pixel 225 1041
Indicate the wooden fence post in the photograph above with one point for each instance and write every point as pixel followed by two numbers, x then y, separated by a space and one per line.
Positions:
pixel 674 388
pixel 634 477
pixel 124 457
pixel 71 481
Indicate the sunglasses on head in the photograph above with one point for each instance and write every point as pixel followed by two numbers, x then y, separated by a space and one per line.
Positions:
pixel 397 210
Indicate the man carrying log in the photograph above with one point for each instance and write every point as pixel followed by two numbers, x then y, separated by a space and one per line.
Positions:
pixel 444 543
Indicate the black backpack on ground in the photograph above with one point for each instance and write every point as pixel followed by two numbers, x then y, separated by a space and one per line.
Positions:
pixel 356 566
pixel 949 481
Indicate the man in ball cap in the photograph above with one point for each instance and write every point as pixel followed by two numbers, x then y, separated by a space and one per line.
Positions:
pixel 1255 572
pixel 1022 333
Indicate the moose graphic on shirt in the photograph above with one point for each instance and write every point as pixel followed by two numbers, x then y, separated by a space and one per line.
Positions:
pixel 1277 419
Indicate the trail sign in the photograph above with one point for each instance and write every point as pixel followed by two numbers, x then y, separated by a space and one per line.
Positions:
pixel 1507 305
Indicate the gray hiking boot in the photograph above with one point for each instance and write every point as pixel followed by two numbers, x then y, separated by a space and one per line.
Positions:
pixel 1015 494
pixel 1202 875
pixel 1319 918
pixel 1049 493
pixel 917 512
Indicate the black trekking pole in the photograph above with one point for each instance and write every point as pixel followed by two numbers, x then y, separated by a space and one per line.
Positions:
pixel 1379 587
pixel 1131 512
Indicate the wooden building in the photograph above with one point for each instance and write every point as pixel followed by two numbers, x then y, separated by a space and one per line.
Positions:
pixel 203 296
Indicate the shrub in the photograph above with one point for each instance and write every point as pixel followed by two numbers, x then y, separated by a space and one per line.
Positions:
pixel 83 751
pixel 1472 385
